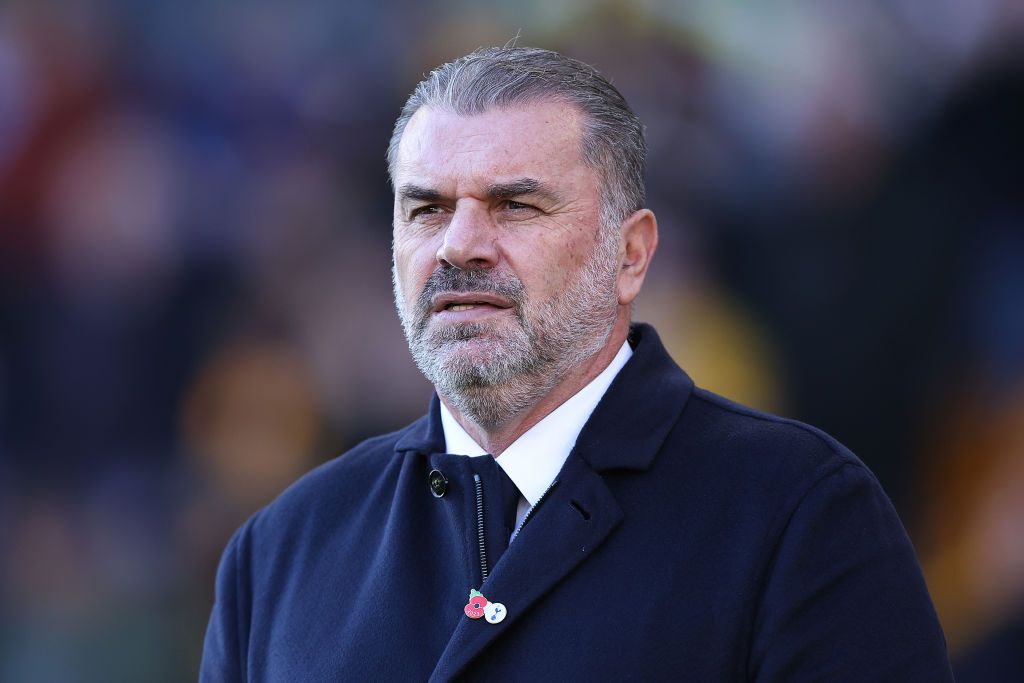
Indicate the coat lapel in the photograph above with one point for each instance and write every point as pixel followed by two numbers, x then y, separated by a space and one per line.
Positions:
pixel 572 521
pixel 625 432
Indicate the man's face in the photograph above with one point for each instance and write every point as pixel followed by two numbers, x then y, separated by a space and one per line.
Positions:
pixel 504 278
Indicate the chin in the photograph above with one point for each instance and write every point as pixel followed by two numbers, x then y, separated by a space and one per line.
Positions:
pixel 491 331
pixel 468 355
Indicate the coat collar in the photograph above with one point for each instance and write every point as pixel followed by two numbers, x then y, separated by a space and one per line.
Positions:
pixel 629 424
pixel 640 407
pixel 425 435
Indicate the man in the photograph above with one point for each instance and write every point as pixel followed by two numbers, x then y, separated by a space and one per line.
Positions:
pixel 616 522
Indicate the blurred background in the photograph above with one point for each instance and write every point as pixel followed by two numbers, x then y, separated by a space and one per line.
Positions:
pixel 195 302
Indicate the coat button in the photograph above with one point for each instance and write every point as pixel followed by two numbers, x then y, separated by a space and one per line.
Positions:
pixel 438 483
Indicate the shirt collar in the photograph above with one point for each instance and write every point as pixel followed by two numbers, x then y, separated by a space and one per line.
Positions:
pixel 533 460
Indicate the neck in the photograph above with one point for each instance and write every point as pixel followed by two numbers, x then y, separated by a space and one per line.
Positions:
pixel 496 438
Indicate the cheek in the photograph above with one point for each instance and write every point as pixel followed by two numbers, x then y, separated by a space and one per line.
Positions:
pixel 413 265
pixel 549 269
pixel 563 260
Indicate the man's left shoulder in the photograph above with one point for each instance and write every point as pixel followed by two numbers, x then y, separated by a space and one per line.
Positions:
pixel 749 446
pixel 746 427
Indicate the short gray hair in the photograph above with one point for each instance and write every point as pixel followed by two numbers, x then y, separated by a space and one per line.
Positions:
pixel 499 77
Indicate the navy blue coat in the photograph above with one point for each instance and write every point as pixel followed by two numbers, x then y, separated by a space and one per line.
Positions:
pixel 685 538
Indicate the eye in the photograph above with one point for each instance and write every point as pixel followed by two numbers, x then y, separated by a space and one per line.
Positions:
pixel 512 210
pixel 515 210
pixel 426 210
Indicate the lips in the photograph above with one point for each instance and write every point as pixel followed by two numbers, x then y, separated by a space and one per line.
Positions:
pixel 467 301
pixel 464 307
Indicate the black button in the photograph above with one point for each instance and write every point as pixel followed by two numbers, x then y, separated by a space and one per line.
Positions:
pixel 438 483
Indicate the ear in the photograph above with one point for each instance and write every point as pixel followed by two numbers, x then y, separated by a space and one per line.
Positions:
pixel 640 240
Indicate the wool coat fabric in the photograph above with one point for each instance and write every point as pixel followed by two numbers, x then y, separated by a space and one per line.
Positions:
pixel 686 538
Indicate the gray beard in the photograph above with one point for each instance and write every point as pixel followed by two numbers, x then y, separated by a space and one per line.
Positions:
pixel 523 365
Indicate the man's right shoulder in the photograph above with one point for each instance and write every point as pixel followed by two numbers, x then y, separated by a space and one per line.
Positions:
pixel 338 487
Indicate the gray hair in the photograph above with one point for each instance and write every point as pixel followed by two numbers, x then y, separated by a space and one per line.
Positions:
pixel 498 77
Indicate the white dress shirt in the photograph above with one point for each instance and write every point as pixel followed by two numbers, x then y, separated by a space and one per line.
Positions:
pixel 533 460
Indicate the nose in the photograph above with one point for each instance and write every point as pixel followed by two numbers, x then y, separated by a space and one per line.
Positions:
pixel 469 239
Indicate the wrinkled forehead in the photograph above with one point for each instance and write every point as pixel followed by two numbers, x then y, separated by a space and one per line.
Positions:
pixel 542 138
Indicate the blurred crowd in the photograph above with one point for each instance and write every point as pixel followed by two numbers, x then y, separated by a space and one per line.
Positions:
pixel 195 297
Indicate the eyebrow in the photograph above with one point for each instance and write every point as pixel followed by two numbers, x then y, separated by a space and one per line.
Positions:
pixel 521 187
pixel 415 192
pixel 515 188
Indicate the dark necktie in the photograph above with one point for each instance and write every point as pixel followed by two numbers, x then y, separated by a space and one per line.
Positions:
pixel 509 502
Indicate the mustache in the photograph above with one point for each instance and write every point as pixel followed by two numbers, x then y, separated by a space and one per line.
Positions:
pixel 447 280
